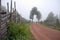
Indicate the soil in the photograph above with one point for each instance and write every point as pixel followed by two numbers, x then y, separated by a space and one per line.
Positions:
pixel 41 32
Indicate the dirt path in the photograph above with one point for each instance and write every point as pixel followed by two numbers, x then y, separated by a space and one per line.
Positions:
pixel 43 33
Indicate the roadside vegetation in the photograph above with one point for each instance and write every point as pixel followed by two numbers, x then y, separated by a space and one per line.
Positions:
pixel 52 21
pixel 19 31
pixel 50 26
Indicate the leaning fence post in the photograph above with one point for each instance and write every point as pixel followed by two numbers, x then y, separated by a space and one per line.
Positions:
pixel 0 19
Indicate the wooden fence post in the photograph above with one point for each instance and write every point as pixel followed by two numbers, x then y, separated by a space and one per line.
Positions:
pixel 0 19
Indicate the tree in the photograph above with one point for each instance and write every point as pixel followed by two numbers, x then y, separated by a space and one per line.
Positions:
pixel 38 15
pixel 31 17
pixel 57 22
pixel 34 11
pixel 50 17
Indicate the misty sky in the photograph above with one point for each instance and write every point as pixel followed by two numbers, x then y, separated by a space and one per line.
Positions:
pixel 44 6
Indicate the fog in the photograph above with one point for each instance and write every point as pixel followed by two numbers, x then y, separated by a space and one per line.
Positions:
pixel 44 6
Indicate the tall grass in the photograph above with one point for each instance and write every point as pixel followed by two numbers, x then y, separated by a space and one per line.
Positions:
pixel 18 31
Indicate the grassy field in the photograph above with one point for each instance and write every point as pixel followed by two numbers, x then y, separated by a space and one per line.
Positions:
pixel 56 28
pixel 19 31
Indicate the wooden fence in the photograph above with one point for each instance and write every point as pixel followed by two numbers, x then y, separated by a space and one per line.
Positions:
pixel 4 18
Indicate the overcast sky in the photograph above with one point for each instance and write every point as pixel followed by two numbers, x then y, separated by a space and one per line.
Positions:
pixel 44 6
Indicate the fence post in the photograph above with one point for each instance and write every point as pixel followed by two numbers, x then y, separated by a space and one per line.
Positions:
pixel 0 19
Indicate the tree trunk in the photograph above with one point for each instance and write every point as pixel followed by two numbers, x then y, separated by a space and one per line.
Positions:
pixel 38 21
pixel 32 20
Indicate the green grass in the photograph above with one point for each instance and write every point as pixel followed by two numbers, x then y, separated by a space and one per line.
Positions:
pixel 19 31
pixel 55 28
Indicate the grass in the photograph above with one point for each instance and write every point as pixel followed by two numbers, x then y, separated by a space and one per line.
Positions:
pixel 19 31
pixel 56 28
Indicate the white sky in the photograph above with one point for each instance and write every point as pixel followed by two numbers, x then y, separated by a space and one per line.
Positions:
pixel 44 6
